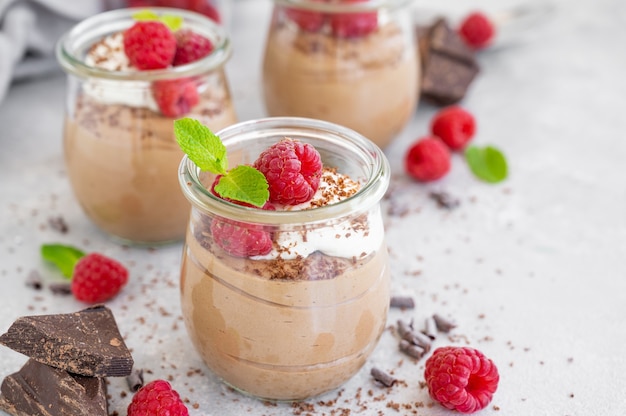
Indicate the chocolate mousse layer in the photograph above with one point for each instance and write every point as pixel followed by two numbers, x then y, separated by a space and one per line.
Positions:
pixel 283 329
pixel 368 83
pixel 122 161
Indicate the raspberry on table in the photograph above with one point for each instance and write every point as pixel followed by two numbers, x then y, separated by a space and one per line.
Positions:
pixel 157 398
pixel 350 25
pixel 97 278
pixel 461 378
pixel 175 97
pixel 149 44
pixel 293 170
pixel 477 30
pixel 428 159
pixel 190 47
pixel 455 126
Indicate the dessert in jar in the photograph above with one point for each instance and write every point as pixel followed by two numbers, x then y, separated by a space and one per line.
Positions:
pixel 350 62
pixel 122 99
pixel 287 301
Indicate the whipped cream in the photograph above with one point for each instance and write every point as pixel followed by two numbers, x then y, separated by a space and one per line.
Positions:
pixel 109 54
pixel 355 238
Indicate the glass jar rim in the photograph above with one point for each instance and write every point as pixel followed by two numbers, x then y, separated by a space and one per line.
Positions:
pixel 71 44
pixel 370 193
pixel 344 7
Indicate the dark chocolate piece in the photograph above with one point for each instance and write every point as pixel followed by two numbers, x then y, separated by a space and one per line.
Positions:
pixel 40 390
pixel 403 302
pixel 382 377
pixel 87 342
pixel 443 324
pixel 448 65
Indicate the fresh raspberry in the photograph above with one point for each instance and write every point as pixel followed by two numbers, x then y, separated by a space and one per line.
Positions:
pixel 157 398
pixel 428 159
pixel 477 30
pixel 97 278
pixel 293 170
pixel 175 97
pixel 461 378
pixel 308 20
pixel 149 44
pixel 455 126
pixel 199 6
pixel 190 46
pixel 350 25
pixel 240 239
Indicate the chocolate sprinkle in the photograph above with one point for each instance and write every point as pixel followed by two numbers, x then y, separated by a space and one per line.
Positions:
pixel 445 200
pixel 135 380
pixel 403 302
pixel 382 377
pixel 443 324
pixel 61 288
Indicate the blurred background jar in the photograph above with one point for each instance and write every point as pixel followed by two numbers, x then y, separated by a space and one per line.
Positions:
pixel 350 62
pixel 120 150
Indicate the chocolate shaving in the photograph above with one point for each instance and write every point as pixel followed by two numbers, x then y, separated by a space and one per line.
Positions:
pixel 445 200
pixel 413 337
pixel 135 379
pixel 34 280
pixel 61 288
pixel 403 302
pixel 382 377
pixel 443 324
pixel 430 328
pixel 58 224
pixel 411 350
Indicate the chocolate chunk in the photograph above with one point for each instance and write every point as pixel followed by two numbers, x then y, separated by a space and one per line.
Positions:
pixel 40 390
pixel 87 342
pixel 414 351
pixel 448 65
pixel 445 200
pixel 135 380
pixel 443 324
pixel 402 302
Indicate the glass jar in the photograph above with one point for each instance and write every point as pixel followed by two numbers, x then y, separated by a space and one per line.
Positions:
pixel 120 151
pixel 304 318
pixel 348 62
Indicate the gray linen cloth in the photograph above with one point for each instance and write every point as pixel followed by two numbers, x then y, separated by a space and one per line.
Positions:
pixel 29 30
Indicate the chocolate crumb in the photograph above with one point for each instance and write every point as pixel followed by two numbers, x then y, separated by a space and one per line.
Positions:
pixel 58 224
pixel 34 280
pixel 60 288
pixel 382 377
pixel 445 200
pixel 135 379
pixel 403 302
pixel 443 324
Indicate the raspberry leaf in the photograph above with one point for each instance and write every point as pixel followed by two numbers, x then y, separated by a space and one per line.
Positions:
pixel 487 163
pixel 62 256
pixel 244 183
pixel 203 147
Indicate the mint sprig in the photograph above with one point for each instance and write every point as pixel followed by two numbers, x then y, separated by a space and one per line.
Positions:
pixel 487 163
pixel 64 257
pixel 242 183
pixel 173 22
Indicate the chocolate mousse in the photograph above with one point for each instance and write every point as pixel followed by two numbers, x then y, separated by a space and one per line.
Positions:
pixel 119 145
pixel 368 83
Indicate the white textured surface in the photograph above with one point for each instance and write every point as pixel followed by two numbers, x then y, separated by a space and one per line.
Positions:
pixel 533 270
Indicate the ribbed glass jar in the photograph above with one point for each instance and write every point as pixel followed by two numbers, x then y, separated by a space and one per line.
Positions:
pixel 302 319
pixel 352 63
pixel 120 151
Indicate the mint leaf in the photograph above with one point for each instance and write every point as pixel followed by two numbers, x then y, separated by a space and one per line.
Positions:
pixel 487 163
pixel 173 22
pixel 62 256
pixel 203 147
pixel 145 15
pixel 244 183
